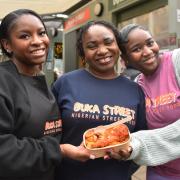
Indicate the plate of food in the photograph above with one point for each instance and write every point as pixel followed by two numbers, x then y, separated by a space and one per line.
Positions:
pixel 98 140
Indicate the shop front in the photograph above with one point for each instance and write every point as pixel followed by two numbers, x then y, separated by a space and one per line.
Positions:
pixel 162 18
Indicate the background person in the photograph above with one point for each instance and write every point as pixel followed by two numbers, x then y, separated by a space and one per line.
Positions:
pixel 97 96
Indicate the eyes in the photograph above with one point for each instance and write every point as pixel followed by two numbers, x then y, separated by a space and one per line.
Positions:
pixel 139 47
pixel 93 45
pixel 27 35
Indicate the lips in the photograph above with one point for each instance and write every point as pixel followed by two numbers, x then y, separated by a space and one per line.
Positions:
pixel 149 60
pixel 38 52
pixel 105 60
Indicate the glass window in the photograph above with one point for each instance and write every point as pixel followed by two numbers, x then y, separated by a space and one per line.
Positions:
pixel 156 21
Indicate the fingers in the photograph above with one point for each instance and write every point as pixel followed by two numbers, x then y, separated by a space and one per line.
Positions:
pixel 92 157
pixel 84 154
pixel 122 154
pixel 115 155
pixel 107 157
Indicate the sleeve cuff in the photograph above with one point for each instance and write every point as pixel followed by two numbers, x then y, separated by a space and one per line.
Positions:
pixel 135 144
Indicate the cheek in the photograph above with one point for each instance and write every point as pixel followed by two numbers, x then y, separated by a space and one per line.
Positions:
pixel 118 52
pixel 21 48
pixel 134 58
pixel 115 49
pixel 46 41
pixel 156 48
pixel 88 55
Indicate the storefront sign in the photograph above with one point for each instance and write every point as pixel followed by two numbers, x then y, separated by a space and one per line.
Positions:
pixel 79 18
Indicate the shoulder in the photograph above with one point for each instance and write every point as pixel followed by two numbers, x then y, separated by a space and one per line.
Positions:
pixel 166 56
pixel 5 65
pixel 130 85
pixel 9 78
pixel 129 81
pixel 72 77
pixel 8 71
pixel 75 73
pixel 8 66
pixel 130 89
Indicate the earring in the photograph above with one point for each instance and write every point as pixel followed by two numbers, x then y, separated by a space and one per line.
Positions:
pixel 8 51
pixel 84 62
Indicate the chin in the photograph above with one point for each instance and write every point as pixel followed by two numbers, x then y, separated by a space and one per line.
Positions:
pixel 40 60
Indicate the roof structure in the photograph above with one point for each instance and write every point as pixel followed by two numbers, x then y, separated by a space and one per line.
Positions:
pixel 40 6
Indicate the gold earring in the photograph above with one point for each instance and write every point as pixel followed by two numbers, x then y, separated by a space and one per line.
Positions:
pixel 83 62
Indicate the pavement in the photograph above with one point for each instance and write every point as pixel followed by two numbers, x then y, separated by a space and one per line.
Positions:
pixel 140 174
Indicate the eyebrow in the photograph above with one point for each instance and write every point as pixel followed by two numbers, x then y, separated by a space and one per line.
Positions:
pixel 138 43
pixel 88 42
pixel 151 38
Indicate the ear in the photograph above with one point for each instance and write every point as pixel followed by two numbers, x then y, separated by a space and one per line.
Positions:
pixel 6 45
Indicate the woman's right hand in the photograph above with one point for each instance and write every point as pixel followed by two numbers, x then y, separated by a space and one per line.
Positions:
pixel 78 153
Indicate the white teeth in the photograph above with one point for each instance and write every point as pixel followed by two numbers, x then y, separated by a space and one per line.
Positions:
pixel 38 51
pixel 105 60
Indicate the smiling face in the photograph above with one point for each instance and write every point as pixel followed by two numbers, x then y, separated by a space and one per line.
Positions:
pixel 142 51
pixel 101 51
pixel 28 42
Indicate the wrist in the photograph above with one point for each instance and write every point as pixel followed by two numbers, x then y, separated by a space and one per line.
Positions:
pixel 62 149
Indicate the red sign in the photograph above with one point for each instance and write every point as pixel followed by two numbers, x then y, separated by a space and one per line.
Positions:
pixel 77 19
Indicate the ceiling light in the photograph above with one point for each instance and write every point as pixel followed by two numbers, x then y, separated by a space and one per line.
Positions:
pixel 60 16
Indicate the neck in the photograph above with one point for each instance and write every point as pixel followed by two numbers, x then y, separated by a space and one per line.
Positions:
pixel 27 70
pixel 103 75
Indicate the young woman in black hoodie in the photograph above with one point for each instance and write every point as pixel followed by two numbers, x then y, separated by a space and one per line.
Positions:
pixel 30 124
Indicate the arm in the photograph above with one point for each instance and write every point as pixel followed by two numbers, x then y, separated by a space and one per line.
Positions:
pixel 155 147
pixel 23 156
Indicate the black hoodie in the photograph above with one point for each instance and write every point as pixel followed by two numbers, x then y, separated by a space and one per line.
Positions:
pixel 30 127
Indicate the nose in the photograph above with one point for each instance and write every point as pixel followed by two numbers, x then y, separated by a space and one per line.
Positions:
pixel 36 40
pixel 146 50
pixel 102 49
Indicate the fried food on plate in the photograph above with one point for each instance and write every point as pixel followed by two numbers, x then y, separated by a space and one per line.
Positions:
pixel 95 138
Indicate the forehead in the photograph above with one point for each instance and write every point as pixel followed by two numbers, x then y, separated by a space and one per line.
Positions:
pixel 98 31
pixel 27 20
pixel 138 35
